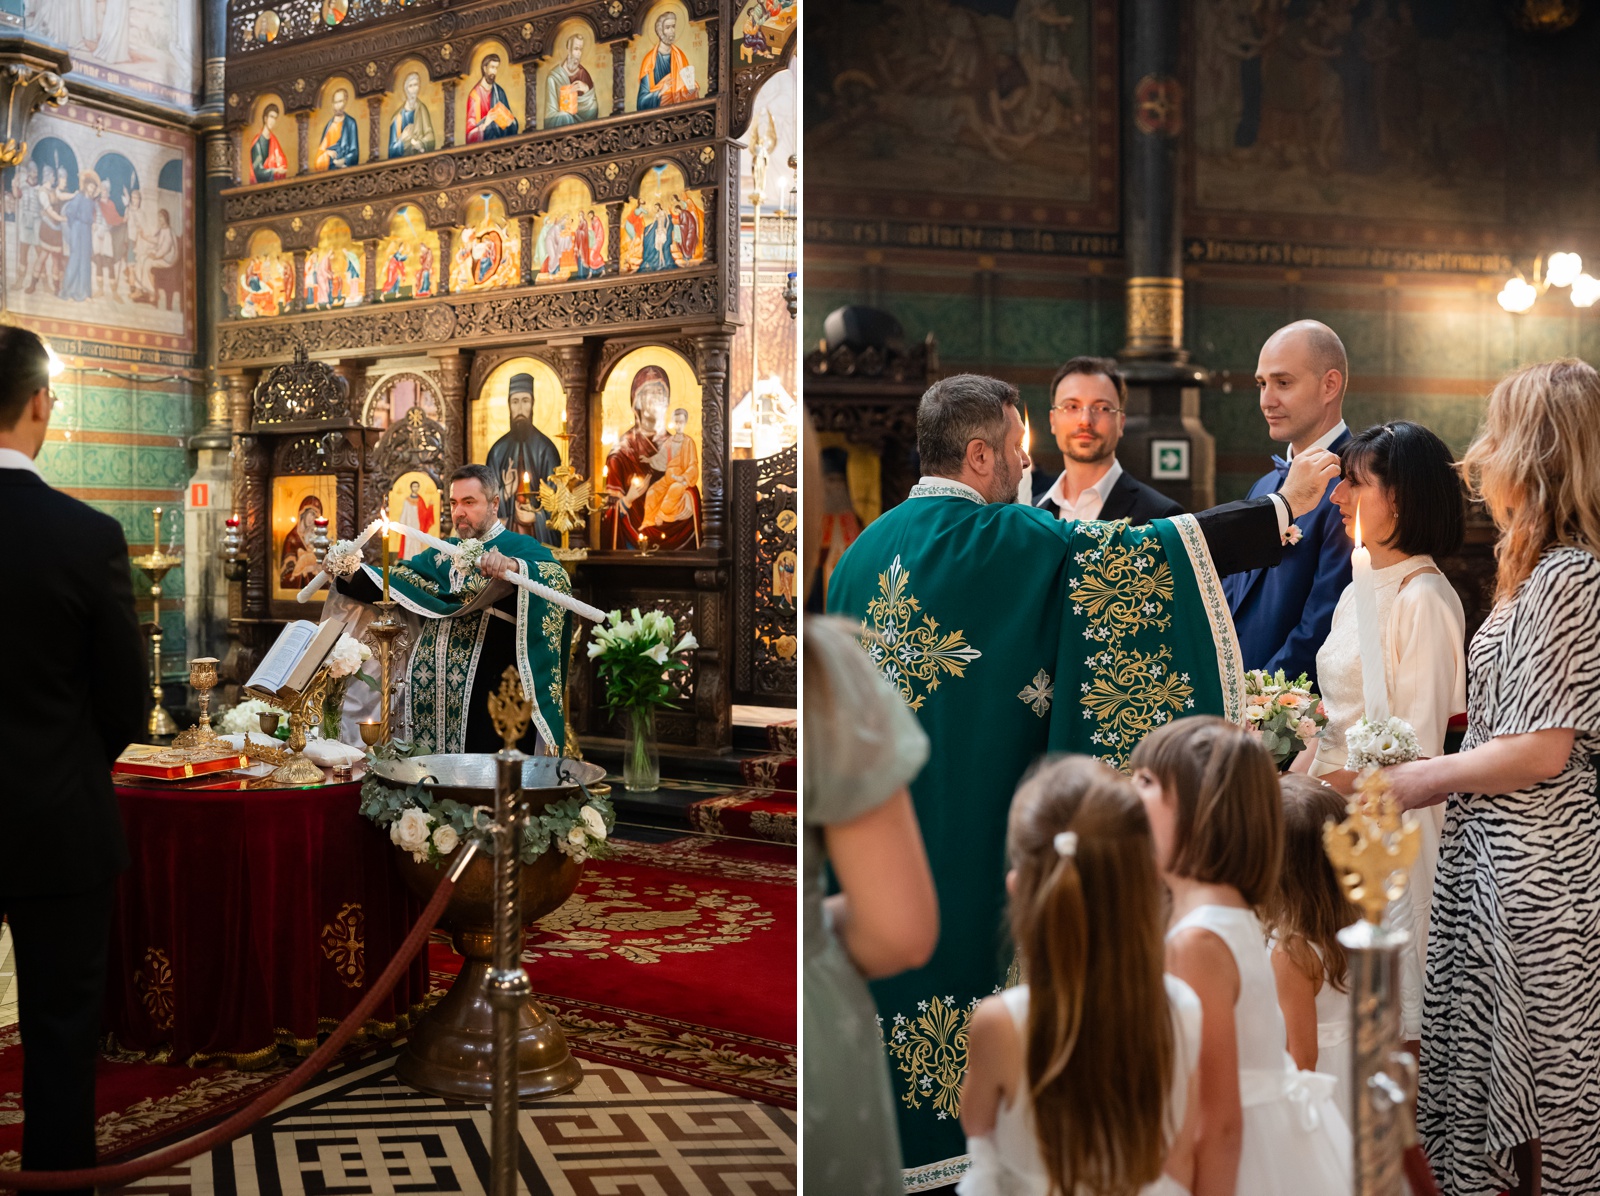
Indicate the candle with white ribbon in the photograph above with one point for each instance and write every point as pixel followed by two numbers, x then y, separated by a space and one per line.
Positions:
pixel 322 579
pixel 1374 683
pixel 575 605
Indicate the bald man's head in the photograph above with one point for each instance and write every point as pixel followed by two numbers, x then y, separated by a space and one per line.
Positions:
pixel 1302 375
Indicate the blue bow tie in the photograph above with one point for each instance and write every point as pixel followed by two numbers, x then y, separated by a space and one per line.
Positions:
pixel 1279 464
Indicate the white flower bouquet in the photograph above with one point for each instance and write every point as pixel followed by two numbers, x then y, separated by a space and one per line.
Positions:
pixel 430 829
pixel 1377 745
pixel 244 718
pixel 344 666
pixel 342 559
pixel 635 659
pixel 1287 714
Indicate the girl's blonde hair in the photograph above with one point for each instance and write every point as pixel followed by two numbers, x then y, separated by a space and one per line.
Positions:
pixel 1536 465
pixel 1311 907
pixel 1087 924
pixel 1229 826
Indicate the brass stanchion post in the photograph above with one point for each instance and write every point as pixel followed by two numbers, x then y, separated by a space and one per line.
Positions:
pixel 1372 850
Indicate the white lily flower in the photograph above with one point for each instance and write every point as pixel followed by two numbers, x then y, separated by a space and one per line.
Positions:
pixel 597 648
pixel 687 644
pixel 658 654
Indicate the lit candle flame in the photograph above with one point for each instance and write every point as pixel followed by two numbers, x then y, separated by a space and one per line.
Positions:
pixel 1027 434
pixel 1358 525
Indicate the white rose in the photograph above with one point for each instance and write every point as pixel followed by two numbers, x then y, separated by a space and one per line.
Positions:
pixel 410 830
pixel 593 822
pixel 576 837
pixel 1306 729
pixel 346 657
pixel 658 654
pixel 445 839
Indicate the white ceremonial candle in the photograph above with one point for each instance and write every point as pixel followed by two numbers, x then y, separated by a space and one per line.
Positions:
pixel 322 579
pixel 1025 486
pixel 577 606
pixel 1374 682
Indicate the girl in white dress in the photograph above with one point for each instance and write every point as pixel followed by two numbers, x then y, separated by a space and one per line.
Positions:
pixel 1265 1127
pixel 1308 960
pixel 1403 480
pixel 1082 1079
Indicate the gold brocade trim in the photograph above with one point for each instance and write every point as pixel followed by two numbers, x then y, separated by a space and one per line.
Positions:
pixel 344 942
pixel 153 982
pixel 930 1050
pixel 1155 312
pixel 1230 661
pixel 905 654
pixel 411 577
pixel 257 1059
pixel 1124 591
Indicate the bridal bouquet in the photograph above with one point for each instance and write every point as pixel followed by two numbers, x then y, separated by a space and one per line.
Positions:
pixel 1287 714
pixel 1376 745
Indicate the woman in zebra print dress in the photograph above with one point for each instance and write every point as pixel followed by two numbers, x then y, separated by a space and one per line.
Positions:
pixel 1511 1025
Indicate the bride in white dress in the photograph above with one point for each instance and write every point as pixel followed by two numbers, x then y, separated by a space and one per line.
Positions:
pixel 1403 479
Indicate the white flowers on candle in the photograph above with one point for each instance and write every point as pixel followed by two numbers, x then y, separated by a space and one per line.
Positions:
pixel 342 559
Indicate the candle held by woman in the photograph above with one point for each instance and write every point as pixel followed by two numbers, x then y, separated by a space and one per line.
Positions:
pixel 1374 683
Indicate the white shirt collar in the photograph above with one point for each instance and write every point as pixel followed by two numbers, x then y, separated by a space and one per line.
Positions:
pixel 930 486
pixel 1323 441
pixel 1058 495
pixel 12 459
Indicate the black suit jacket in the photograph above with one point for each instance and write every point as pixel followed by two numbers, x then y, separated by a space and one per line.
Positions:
pixel 76 688
pixel 1129 499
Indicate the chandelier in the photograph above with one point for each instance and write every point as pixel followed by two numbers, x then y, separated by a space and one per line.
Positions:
pixel 1558 270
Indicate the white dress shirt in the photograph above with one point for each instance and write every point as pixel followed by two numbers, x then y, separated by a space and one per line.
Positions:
pixel 1090 499
pixel 1321 442
pixel 12 459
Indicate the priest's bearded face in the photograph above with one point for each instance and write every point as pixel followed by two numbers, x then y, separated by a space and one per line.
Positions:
pixel 471 510
pixel 1010 458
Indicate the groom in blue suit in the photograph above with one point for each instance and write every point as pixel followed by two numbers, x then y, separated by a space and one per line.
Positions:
pixel 1283 614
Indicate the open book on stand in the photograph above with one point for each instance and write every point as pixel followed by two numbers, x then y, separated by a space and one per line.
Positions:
pixel 292 662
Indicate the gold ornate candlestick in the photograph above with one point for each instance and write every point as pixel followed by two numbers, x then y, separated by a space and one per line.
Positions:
pixel 156 565
pixel 566 504
pixel 1372 851
pixel 203 676
pixel 385 629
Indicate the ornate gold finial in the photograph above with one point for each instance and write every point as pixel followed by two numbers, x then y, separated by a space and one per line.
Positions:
pixel 566 503
pixel 509 709
pixel 1373 849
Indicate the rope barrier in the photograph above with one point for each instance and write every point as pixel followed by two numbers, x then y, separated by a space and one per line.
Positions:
pixel 124 1173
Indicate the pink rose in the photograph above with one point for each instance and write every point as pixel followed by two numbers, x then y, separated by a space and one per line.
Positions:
pixel 1306 729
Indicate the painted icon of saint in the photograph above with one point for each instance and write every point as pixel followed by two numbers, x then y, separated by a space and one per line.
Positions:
pixel 268 163
pixel 524 450
pixel 411 130
pixel 569 89
pixel 489 113
pixel 297 562
pixel 424 271
pixel 415 511
pixel 338 147
pixel 666 76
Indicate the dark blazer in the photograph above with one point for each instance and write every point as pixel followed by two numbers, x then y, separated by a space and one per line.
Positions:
pixel 1284 614
pixel 1129 499
pixel 76 686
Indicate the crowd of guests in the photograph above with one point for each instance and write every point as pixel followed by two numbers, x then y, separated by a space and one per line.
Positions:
pixel 1175 930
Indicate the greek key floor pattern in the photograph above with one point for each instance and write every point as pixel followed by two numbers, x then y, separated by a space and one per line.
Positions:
pixel 620 1133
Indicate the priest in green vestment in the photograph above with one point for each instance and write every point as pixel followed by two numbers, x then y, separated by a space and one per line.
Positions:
pixel 1012 633
pixel 474 625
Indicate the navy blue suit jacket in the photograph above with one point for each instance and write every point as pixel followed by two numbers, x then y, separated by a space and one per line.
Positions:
pixel 1283 614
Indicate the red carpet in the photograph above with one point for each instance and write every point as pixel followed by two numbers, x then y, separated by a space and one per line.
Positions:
pixel 675 958
pixel 766 809
pixel 139 1103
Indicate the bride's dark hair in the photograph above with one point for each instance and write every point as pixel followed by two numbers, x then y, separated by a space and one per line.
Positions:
pixel 1417 469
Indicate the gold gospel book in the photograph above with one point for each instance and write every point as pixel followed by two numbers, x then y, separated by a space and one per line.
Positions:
pixel 167 764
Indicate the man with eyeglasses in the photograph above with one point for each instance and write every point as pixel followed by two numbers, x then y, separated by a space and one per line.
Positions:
pixel 1088 400
pixel 75 657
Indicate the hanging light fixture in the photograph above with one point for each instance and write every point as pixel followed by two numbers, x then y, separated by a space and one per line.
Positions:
pixel 1561 269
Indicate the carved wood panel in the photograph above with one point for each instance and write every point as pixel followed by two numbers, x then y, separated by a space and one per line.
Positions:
pixel 766 580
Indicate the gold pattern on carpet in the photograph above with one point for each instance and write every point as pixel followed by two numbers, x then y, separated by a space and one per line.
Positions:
pixel 640 924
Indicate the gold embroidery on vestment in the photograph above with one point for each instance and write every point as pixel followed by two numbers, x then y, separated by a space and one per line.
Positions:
pixel 911 655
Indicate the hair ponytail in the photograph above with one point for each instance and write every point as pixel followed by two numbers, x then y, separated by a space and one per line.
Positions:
pixel 1086 922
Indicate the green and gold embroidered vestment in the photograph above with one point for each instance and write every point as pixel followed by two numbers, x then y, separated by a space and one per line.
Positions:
pixel 1011 634
pixel 472 628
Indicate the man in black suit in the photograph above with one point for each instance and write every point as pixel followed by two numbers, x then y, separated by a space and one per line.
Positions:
pixel 75 661
pixel 1088 398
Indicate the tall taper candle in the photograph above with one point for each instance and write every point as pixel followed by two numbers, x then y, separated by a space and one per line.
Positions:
pixel 1374 682
pixel 386 564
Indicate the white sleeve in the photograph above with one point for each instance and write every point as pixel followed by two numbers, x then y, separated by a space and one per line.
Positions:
pixel 1427 658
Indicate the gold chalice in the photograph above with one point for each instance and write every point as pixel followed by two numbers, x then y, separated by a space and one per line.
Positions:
pixel 203 676
pixel 269 720
pixel 371 731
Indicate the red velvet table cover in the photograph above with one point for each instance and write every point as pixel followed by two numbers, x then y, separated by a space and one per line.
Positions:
pixel 253 919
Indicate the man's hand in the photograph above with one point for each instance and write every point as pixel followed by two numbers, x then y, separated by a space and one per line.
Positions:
pixel 495 565
pixel 1309 477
